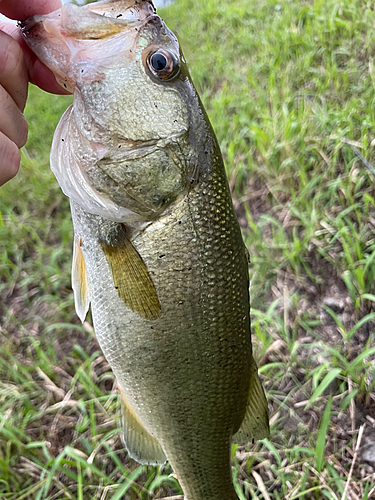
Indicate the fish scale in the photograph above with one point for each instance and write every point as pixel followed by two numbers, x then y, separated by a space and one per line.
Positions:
pixel 197 354
pixel 158 251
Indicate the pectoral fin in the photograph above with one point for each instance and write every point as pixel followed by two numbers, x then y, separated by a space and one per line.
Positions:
pixel 131 277
pixel 255 424
pixel 80 283
pixel 141 446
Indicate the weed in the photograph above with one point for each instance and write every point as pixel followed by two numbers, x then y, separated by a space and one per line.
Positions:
pixel 289 87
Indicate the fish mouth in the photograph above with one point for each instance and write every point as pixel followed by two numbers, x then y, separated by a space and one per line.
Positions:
pixel 77 21
pixel 59 39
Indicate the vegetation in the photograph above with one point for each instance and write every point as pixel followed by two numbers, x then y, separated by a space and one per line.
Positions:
pixel 290 89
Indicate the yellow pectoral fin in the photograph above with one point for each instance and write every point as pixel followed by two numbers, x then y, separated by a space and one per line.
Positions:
pixel 141 446
pixel 255 424
pixel 131 277
pixel 80 283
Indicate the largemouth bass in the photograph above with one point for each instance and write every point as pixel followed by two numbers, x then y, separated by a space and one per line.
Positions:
pixel 158 250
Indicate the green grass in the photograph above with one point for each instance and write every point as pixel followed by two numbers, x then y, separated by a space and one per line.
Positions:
pixel 290 89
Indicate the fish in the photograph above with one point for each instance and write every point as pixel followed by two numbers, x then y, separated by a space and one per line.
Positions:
pixel 158 252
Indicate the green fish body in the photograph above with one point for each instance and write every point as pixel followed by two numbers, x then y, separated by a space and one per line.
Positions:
pixel 158 250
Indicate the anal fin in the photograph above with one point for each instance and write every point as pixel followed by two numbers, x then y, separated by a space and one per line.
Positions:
pixel 255 424
pixel 141 446
pixel 130 276
pixel 80 282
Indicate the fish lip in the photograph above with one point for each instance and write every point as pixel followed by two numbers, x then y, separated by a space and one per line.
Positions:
pixel 28 24
pixel 98 6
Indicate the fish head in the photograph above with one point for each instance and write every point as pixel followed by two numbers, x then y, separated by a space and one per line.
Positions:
pixel 135 107
pixel 82 45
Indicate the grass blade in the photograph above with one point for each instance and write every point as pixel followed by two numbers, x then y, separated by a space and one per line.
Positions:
pixel 322 435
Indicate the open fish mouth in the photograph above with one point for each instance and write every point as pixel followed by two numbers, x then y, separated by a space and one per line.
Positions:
pixel 58 39
pixel 85 24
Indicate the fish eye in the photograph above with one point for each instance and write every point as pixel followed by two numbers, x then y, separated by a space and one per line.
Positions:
pixel 158 61
pixel 163 64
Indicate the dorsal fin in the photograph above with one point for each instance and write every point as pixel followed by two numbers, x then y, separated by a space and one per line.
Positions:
pixel 80 283
pixel 130 276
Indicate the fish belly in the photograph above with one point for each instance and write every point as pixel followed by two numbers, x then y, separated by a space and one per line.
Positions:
pixel 185 374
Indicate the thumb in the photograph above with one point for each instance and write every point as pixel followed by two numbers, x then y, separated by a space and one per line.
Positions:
pixel 21 10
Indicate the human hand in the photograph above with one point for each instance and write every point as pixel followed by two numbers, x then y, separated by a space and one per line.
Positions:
pixel 18 67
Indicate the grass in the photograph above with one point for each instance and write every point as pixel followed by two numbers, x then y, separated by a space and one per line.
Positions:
pixel 290 89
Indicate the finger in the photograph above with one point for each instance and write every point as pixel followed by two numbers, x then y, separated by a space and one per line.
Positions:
pixel 43 77
pixel 22 10
pixel 10 159
pixel 12 121
pixel 13 72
